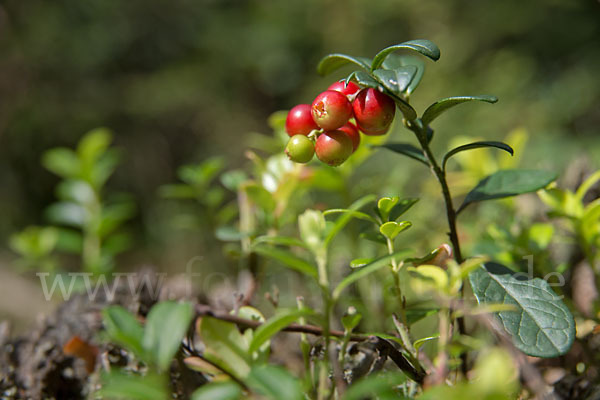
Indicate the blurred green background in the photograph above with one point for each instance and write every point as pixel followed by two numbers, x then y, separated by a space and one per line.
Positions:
pixel 178 81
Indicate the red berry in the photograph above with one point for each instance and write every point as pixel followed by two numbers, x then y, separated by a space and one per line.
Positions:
pixel 349 90
pixel 352 133
pixel 300 149
pixel 373 111
pixel 299 121
pixel 331 110
pixel 333 147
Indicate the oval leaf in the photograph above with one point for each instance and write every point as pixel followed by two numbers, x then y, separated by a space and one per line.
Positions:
pixel 396 80
pixel 507 183
pixel 275 383
pixel 437 108
pixel 392 229
pixel 394 61
pixel 476 145
pixel 542 325
pixel 425 47
pixel 332 62
pixel 408 150
pixel 368 269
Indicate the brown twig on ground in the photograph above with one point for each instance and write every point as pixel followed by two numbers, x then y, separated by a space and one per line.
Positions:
pixel 203 310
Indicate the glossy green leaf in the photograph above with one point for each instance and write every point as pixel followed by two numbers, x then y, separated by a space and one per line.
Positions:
pixel 332 62
pixel 542 326
pixel 166 326
pixel 476 145
pixel 420 342
pixel 396 80
pixel 425 47
pixel 218 391
pixel 440 106
pixel 392 229
pixel 507 183
pixel 288 259
pixel 394 61
pixel 360 262
pixel 368 269
pixel 124 329
pixel 364 79
pixel 274 325
pixel 408 112
pixel 408 150
pixel 124 386
pixel 385 205
pixel 275 383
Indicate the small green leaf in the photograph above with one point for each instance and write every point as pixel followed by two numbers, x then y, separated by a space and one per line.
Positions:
pixel 63 162
pixel 123 329
pixel 364 79
pixel 385 205
pixel 507 183
pixel 542 326
pixel 287 258
pixel 437 108
pixel 274 325
pixel 166 325
pixel 218 391
pixel 408 150
pixel 394 61
pixel 280 240
pixel 368 269
pixel 425 47
pixel 332 62
pixel 75 190
pixel 476 145
pixel 225 345
pixel 93 145
pixel 396 80
pixel 392 229
pixel 373 236
pixel 418 343
pixel 260 196
pixel 353 213
pixel 275 383
pixel 67 213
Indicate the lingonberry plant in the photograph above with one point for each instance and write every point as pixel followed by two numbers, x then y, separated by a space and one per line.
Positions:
pixel 374 320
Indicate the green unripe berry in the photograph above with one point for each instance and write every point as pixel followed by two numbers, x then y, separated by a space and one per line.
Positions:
pixel 300 149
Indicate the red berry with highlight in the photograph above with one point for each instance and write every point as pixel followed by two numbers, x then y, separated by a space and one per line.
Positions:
pixel 352 131
pixel 299 121
pixel 373 111
pixel 351 89
pixel 331 110
pixel 333 147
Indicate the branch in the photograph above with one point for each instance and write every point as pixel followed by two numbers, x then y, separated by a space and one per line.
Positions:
pixel 203 310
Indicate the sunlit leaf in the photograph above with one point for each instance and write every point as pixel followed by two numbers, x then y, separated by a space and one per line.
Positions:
pixel 425 47
pixel 440 106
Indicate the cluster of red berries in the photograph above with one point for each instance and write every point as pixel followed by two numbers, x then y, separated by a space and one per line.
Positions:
pixel 325 128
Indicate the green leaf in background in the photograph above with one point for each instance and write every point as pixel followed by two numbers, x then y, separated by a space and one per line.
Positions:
pixel 287 258
pixel 225 345
pixel 166 326
pixel 360 262
pixel 425 47
pixel 121 385
pixel 62 161
pixel 342 221
pixel 351 319
pixel 401 207
pixel 124 329
pixel 332 62
pixel 542 326
pixel 507 183
pixel 383 386
pixel 280 240
pixel 75 190
pixel 476 145
pixel 392 229
pixel 408 150
pixel 398 79
pixel 394 61
pixel 218 391
pixel 440 106
pixel 353 213
pixel 93 145
pixel 366 270
pixel 67 213
pixel 275 383
pixel 385 205
pixel 274 325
